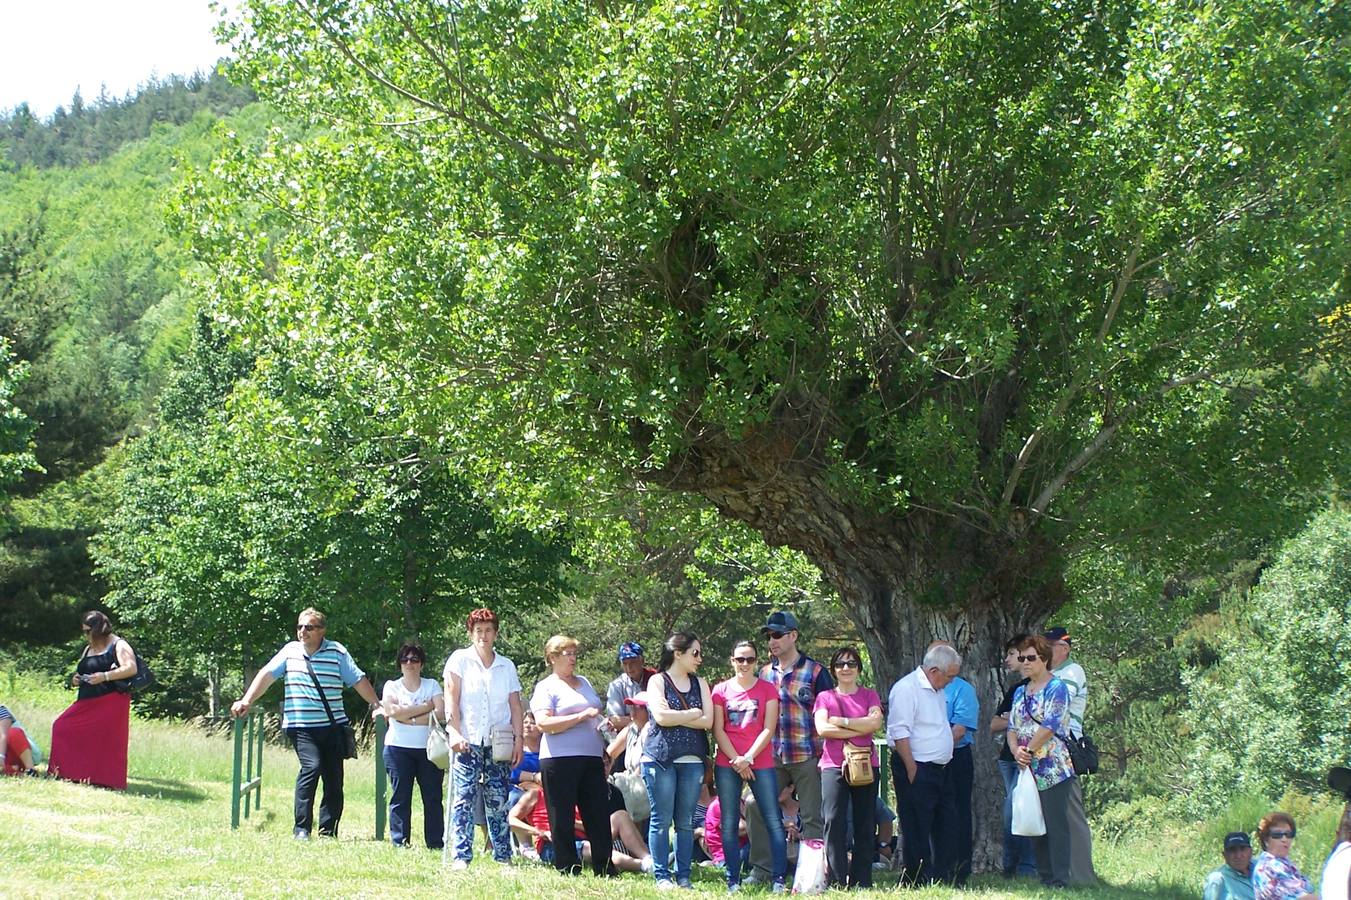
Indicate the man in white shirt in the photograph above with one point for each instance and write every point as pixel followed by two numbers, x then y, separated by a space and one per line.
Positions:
pixel 921 738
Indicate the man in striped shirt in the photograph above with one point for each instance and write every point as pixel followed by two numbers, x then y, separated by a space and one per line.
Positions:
pixel 313 721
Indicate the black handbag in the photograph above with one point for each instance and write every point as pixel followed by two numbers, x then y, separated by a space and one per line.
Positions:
pixel 1083 754
pixel 349 735
pixel 141 680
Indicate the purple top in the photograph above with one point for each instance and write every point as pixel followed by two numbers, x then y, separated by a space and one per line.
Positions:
pixel 855 706
pixel 554 696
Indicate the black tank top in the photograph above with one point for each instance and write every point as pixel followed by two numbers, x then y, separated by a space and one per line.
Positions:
pixel 92 663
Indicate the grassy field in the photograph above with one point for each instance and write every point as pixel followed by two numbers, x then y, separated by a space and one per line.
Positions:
pixel 169 835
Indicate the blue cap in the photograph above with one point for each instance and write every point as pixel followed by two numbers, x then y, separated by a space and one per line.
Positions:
pixel 780 621
pixel 630 650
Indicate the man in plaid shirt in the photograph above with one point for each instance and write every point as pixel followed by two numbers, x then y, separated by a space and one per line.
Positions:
pixel 797 749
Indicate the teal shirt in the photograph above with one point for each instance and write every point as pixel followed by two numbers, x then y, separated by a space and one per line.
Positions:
pixel 1226 884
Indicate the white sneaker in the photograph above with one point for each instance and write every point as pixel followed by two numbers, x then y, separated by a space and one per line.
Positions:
pixel 459 865
pixel 666 885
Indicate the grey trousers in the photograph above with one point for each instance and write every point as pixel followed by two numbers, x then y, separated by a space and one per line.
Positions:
pixel 805 777
pixel 1081 839
pixel 1053 847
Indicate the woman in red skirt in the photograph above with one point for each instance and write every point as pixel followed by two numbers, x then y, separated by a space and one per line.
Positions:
pixel 89 739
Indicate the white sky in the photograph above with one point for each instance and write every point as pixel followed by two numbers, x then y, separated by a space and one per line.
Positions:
pixel 48 48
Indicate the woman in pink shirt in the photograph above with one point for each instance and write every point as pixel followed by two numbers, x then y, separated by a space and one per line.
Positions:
pixel 745 714
pixel 848 714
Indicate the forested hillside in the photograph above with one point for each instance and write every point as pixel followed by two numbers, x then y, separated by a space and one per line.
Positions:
pixel 96 310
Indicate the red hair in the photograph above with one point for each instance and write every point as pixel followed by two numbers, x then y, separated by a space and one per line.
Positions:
pixel 483 616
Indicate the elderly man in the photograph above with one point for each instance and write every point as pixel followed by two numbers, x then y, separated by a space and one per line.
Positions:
pixel 921 738
pixel 314 670
pixel 1233 880
pixel 633 676
pixel 1072 674
pixel 797 749
pixel 964 718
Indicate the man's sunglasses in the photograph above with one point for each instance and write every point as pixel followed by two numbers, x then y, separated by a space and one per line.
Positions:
pixel 776 634
pixel 308 627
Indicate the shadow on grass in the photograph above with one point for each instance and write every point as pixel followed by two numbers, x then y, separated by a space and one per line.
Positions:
pixel 1101 891
pixel 164 789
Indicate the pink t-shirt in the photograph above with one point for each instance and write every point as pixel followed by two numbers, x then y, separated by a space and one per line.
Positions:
pixel 744 718
pixel 713 832
pixel 855 706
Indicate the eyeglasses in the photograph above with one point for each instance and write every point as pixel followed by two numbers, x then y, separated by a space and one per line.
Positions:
pixel 744 660
pixel 777 634
pixel 409 659
pixel 1028 658
pixel 696 653
pixel 308 627
pixel 572 653
pixel 1280 835
pixel 847 664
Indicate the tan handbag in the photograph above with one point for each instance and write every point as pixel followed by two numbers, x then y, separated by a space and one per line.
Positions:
pixel 857 769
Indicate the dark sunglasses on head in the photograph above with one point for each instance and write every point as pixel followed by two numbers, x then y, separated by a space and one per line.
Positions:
pixel 747 660
pixel 847 664
pixel 1028 658
pixel 308 627
pixel 1280 834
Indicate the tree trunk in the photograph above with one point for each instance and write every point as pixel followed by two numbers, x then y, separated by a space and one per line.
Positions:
pixel 904 578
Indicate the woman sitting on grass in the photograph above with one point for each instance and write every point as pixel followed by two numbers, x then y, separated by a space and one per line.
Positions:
pixel 89 739
pixel 15 746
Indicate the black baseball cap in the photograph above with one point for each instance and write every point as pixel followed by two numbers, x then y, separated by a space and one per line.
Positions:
pixel 1057 634
pixel 1235 840
pixel 781 621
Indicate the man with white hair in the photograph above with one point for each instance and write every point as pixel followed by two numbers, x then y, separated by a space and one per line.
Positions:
pixel 921 738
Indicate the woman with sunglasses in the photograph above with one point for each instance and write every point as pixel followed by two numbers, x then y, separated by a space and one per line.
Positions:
pixel 89 739
pixel 572 771
pixel 1274 875
pixel 409 702
pixel 674 752
pixel 1037 734
pixel 745 714
pixel 849 713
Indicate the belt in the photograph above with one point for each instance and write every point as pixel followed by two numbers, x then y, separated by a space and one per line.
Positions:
pixel 936 765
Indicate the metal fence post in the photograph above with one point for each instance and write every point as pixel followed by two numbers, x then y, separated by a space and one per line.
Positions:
pixel 238 728
pixel 246 772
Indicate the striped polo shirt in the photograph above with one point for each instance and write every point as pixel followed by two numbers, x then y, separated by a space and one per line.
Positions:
pixel 301 706
pixel 5 713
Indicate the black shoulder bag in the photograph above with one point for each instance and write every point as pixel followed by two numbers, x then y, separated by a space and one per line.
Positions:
pixel 349 735
pixel 139 681
pixel 1083 752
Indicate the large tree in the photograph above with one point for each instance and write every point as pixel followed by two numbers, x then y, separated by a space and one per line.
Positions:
pixel 939 294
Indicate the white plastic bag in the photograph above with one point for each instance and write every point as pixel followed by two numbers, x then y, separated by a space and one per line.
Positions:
pixel 1027 819
pixel 811 868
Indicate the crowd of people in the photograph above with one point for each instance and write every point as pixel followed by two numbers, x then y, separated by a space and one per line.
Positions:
pixel 768 767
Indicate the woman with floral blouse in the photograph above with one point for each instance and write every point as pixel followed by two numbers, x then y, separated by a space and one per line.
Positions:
pixel 1038 726
pixel 1274 875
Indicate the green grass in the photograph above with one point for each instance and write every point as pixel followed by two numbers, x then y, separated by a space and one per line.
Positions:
pixel 169 835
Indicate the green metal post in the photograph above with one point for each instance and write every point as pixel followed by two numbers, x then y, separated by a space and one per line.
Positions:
pixel 258 772
pixel 884 754
pixel 236 779
pixel 248 765
pixel 380 726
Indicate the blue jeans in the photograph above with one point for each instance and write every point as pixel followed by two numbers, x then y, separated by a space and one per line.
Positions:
pixel 765 789
pixel 1020 857
pixel 471 772
pixel 673 791
pixel 406 765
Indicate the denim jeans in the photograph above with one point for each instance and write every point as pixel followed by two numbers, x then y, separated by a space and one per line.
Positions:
pixel 673 791
pixel 320 751
pixel 473 771
pixel 1020 857
pixel 765 789
pixel 405 766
